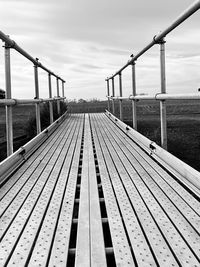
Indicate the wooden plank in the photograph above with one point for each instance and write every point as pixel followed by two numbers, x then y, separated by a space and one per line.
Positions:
pixel 173 237
pixel 83 233
pixel 122 252
pixel 34 206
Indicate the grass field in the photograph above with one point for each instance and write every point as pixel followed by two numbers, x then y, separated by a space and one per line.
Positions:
pixel 183 124
pixel 21 116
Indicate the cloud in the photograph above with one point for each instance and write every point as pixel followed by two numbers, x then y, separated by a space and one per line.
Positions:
pixel 86 41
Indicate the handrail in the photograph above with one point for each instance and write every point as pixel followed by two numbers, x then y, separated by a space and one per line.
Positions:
pixel 158 38
pixel 16 102
pixel 9 101
pixel 14 45
pixel 161 96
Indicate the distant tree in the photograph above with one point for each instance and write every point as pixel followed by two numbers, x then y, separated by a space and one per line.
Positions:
pixel 2 94
pixel 94 100
pixel 81 100
pixel 71 101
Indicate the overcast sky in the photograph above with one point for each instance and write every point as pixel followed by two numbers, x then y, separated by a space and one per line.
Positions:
pixel 84 41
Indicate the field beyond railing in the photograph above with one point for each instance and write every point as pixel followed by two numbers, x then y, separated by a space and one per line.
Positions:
pixel 161 96
pixel 183 124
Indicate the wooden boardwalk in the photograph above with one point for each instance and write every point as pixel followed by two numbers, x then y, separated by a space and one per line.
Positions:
pixel 90 196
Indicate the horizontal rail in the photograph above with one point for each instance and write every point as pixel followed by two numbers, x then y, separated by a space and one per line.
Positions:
pixel 158 38
pixel 159 96
pixel 15 102
pixel 14 45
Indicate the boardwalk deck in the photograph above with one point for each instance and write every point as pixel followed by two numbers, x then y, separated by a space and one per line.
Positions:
pixel 90 196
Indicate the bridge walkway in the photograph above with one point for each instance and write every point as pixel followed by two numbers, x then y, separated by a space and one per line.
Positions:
pixel 91 196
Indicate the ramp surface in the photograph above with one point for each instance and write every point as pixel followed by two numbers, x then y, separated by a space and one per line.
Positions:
pixel 90 196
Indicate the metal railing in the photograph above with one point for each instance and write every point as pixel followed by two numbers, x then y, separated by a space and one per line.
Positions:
pixel 162 96
pixel 9 102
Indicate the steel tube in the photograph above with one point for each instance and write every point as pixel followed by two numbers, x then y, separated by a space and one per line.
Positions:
pixel 186 14
pixel 50 103
pixel 17 102
pixel 58 93
pixel 120 101
pixel 163 114
pixel 177 96
pixel 9 121
pixel 63 88
pixel 113 94
pixel 15 46
pixel 37 105
pixel 134 109
pixel 159 96
pixel 108 93
pixel 119 97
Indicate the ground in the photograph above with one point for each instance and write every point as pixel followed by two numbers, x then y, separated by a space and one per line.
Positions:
pixel 183 124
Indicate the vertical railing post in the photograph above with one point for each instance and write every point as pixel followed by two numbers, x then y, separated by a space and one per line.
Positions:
pixel 163 114
pixel 58 95
pixel 108 94
pixel 63 89
pixel 9 123
pixel 134 111
pixel 50 103
pixel 120 94
pixel 113 94
pixel 37 105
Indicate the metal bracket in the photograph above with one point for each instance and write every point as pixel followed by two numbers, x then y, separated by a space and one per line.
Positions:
pixel 152 147
pixel 22 152
pixel 161 41
pixel 10 46
pixel 156 96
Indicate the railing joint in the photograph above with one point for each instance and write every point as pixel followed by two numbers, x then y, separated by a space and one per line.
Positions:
pixel 22 152
pixel 159 41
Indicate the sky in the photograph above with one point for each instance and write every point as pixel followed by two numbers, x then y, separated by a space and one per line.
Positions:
pixel 85 41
